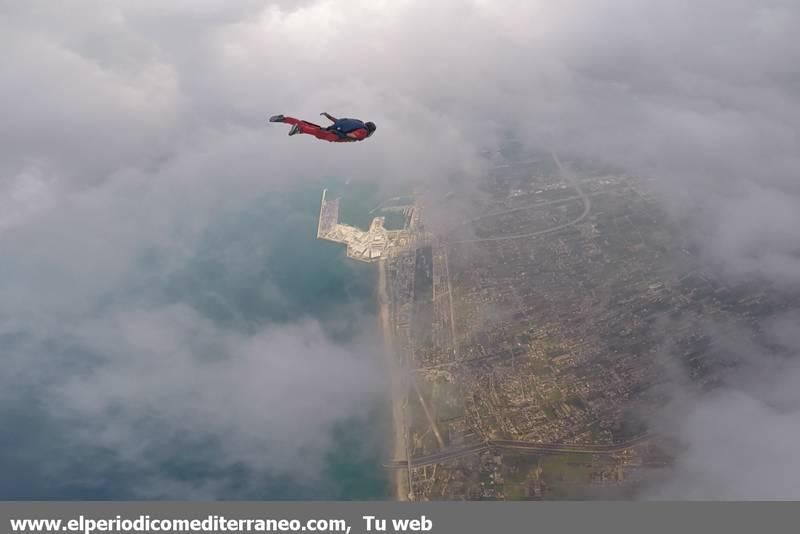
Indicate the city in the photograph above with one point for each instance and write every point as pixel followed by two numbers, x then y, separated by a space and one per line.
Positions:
pixel 528 336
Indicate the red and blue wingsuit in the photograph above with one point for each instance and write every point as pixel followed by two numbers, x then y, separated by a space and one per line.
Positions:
pixel 341 131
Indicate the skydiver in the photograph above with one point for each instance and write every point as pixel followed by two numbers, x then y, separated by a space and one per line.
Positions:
pixel 341 131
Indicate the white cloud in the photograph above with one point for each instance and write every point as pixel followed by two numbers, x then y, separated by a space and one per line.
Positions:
pixel 271 399
pixel 134 126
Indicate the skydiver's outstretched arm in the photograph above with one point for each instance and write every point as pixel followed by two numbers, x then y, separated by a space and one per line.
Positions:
pixel 328 116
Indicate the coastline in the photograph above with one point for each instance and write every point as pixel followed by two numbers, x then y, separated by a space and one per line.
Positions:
pixel 400 479
pixel 372 247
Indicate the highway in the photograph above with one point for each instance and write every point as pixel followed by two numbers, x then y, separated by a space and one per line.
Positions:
pixel 587 206
pixel 511 445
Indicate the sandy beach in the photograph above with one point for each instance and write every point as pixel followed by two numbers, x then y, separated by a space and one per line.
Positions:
pixel 399 450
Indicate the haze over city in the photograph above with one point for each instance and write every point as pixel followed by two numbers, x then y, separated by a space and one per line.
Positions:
pixel 169 331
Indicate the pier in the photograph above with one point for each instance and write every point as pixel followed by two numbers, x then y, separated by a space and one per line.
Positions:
pixel 367 246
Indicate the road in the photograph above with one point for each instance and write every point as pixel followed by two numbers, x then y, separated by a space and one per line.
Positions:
pixel 587 207
pixel 402 481
pixel 452 308
pixel 511 445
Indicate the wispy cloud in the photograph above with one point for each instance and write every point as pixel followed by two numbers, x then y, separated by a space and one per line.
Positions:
pixel 131 128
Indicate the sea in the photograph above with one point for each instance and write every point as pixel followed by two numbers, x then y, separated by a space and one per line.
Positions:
pixel 323 281
pixel 317 280
pixel 273 238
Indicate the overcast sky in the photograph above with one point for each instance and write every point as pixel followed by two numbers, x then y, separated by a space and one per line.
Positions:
pixel 132 128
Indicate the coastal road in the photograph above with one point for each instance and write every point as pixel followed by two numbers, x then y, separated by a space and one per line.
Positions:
pixel 402 481
pixel 511 445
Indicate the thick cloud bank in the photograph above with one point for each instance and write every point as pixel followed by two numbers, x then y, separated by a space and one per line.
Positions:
pixel 131 129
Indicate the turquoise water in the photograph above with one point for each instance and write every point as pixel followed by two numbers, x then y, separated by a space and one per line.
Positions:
pixel 359 200
pixel 278 234
pixel 259 264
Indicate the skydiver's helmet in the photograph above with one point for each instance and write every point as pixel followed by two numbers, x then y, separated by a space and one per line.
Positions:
pixel 370 128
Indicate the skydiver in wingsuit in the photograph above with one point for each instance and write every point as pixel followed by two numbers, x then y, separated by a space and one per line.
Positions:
pixel 341 131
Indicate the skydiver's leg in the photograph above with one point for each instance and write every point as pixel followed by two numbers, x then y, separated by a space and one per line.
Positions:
pixel 289 120
pixel 314 129
pixel 310 128
pixel 303 126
